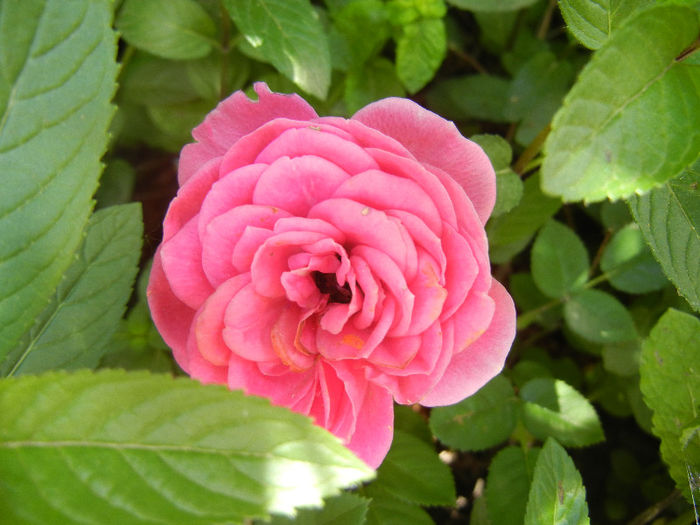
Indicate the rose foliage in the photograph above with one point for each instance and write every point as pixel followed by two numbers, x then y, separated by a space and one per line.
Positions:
pixel 333 265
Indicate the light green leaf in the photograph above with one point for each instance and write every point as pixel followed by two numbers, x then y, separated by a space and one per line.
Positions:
pixel 419 52
pixel 174 29
pixel 412 472
pixel 74 328
pixel 137 448
pixel 669 218
pixel 508 484
pixel 552 408
pixel 373 81
pixel 58 75
pixel 599 317
pixel 605 140
pixel 670 383
pixel 491 5
pixel 344 509
pixel 498 150
pixel 481 421
pixel 559 260
pixel 592 21
pixel 509 186
pixel 629 263
pixel 518 225
pixel 288 33
pixel 471 96
pixel 557 495
pixel 387 510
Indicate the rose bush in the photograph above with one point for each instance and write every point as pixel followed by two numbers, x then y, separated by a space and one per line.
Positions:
pixel 332 265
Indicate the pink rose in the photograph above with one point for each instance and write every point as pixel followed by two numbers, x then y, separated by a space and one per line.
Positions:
pixel 332 265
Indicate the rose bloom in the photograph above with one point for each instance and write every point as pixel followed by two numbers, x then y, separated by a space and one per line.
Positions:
pixel 332 265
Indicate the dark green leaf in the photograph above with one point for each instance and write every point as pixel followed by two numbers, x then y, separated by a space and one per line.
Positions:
pixel 373 81
pixel 508 484
pixel 622 358
pixel 387 510
pixel 175 29
pixel 629 264
pixel 559 260
pixel 116 184
pixel 288 33
pixel 472 96
pixel 552 408
pixel 670 382
pixel 419 52
pixel 58 76
pixel 481 421
pixel 491 5
pixel 344 509
pixel 588 153
pixel 152 81
pixel 412 472
pixel 557 495
pixel 136 448
pixel 669 218
pixel 73 330
pixel 599 317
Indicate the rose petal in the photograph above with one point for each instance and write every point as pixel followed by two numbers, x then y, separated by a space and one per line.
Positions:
pixel 235 117
pixel 374 426
pixel 430 295
pixel 181 257
pixel 472 368
pixel 435 141
pixel 297 184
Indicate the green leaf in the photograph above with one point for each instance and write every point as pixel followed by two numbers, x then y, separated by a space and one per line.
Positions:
pixel 559 260
pixel 518 225
pixel 552 408
pixel 622 358
pixel 363 27
pixel 557 494
pixel 495 29
pixel 588 153
pixel 509 187
pixel 387 510
pixel 116 184
pixel 175 29
pixel 419 52
pixel 288 33
pixel 375 80
pixel 472 96
pixel 74 328
pixel 491 5
pixel 508 484
pixel 669 218
pixel 481 421
pixel 412 472
pixel 344 509
pixel 592 21
pixel 670 382
pixel 176 121
pixel 218 74
pixel 629 263
pixel 411 422
pixel 536 93
pixel 133 447
pixel 58 76
pixel 599 317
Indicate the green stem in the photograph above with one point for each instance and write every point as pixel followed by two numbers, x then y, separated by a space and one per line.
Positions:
pixel 531 151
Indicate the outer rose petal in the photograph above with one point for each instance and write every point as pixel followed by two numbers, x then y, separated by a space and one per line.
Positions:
pixel 482 360
pixel 374 427
pixel 235 117
pixel 436 142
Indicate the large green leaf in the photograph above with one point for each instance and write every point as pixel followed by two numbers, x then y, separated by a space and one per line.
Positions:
pixel 481 421
pixel 58 71
pixel 175 29
pixel 670 383
pixel 344 509
pixel 288 33
pixel 552 408
pixel 592 21
pixel 669 218
pixel 606 139
pixel 412 472
pixel 137 448
pixel 74 328
pixel 599 317
pixel 388 510
pixel 557 495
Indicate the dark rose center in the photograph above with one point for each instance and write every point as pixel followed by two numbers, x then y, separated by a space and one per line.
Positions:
pixel 327 283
